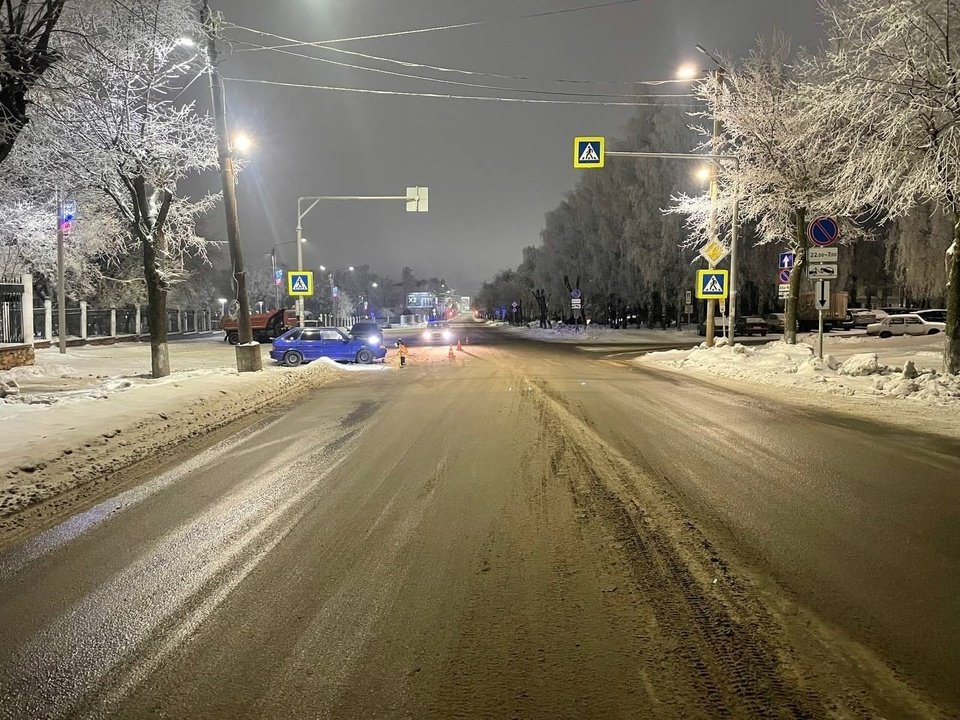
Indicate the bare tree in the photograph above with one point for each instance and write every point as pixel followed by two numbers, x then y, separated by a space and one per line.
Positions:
pixel 26 33
pixel 893 74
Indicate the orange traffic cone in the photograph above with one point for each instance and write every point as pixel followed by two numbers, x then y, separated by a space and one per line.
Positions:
pixel 450 355
pixel 459 346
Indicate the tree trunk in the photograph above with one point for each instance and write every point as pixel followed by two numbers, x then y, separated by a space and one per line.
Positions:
pixel 790 321
pixel 156 310
pixel 951 347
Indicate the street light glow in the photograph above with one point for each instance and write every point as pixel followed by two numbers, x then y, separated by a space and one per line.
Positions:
pixel 323 268
pixel 374 285
pixel 186 42
pixel 703 173
pixel 350 268
pixel 688 71
pixel 242 142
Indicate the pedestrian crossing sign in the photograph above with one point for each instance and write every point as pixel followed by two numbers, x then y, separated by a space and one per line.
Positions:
pixel 712 284
pixel 589 152
pixel 300 283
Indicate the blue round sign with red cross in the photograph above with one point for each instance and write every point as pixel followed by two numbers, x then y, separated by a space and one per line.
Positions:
pixel 823 231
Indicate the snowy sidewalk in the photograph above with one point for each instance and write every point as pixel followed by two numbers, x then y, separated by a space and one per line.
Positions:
pixel 82 416
pixel 595 334
pixel 900 373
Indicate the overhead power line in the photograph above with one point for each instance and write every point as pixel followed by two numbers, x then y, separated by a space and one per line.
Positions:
pixel 475 23
pixel 440 96
pixel 293 42
pixel 479 86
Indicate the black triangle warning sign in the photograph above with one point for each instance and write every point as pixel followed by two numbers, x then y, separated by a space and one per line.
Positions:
pixel 299 284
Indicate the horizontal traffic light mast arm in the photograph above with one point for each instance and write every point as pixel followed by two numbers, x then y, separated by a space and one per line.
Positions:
pixel 675 156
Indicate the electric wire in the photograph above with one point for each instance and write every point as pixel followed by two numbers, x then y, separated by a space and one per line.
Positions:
pixel 480 86
pixel 475 23
pixel 440 96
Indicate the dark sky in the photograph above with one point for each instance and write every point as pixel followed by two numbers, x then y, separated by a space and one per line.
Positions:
pixel 493 169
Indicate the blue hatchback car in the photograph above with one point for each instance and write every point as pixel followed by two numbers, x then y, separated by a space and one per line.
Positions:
pixel 303 344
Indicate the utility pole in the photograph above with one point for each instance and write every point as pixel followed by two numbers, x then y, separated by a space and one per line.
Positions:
pixel 276 287
pixel 714 193
pixel 61 290
pixel 248 354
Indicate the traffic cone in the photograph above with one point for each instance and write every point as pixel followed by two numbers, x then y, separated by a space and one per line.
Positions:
pixel 459 346
pixel 450 355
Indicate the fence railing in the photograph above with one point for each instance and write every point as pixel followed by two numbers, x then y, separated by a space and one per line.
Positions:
pixel 86 323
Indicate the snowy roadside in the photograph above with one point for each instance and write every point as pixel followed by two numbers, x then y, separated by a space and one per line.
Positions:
pixel 595 334
pixel 895 380
pixel 81 417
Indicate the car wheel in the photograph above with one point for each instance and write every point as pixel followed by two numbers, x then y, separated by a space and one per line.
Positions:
pixel 292 358
pixel 886 334
pixel 234 338
pixel 365 356
pixel 933 331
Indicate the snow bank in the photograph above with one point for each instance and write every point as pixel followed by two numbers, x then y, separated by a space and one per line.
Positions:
pixel 797 366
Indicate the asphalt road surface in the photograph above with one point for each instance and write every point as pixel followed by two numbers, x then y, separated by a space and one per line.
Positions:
pixel 529 531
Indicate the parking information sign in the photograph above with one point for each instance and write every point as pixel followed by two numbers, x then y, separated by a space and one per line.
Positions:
pixel 589 152
pixel 823 231
pixel 300 283
pixel 712 284
pixel 784 276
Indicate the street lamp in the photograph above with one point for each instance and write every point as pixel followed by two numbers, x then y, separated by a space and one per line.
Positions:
pixel 374 285
pixel 241 142
pixel 350 268
pixel 703 173
pixel 688 71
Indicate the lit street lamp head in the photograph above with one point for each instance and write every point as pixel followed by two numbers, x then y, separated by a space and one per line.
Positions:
pixel 688 71
pixel 242 142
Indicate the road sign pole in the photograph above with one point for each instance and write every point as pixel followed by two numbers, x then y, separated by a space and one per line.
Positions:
pixel 820 336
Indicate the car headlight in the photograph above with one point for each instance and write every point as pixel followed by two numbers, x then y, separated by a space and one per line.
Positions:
pixel 426 335
pixel 373 340
pixel 447 334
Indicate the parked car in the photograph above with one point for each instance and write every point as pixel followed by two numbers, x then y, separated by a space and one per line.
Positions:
pixel 746 325
pixel 862 317
pixel 934 315
pixel 775 322
pixel 438 331
pixel 910 324
pixel 367 331
pixel 301 345
pixel 896 310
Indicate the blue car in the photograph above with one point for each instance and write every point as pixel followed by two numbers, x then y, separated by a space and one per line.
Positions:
pixel 303 344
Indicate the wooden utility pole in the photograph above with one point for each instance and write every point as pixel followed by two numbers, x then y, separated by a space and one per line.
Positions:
pixel 247 360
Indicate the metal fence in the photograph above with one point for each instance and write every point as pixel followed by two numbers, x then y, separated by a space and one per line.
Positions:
pixel 11 320
pixel 98 323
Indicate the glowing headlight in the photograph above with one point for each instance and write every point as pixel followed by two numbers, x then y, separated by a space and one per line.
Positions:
pixel 447 334
pixel 426 335
pixel 373 339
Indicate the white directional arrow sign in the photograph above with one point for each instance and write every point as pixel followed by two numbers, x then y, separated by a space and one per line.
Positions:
pixel 822 298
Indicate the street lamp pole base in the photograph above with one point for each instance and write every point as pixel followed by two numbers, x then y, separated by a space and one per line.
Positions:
pixel 249 358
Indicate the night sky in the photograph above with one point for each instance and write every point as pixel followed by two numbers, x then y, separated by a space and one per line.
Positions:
pixel 493 169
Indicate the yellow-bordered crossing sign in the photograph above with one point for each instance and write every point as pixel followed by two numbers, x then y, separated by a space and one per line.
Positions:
pixel 300 283
pixel 713 284
pixel 589 152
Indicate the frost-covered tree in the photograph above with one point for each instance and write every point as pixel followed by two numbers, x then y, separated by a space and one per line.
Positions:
pixel 26 52
pixel 894 71
pixel 760 102
pixel 111 118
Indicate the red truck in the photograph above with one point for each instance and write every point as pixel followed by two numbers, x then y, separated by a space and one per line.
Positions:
pixel 266 326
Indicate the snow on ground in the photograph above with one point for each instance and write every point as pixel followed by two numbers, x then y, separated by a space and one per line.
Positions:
pixel 593 334
pixel 81 416
pixel 903 368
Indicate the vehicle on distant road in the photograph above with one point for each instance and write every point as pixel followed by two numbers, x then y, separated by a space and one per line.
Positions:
pixel 438 331
pixel 266 326
pixel 775 322
pixel 862 317
pixel 301 345
pixel 368 331
pixel 910 324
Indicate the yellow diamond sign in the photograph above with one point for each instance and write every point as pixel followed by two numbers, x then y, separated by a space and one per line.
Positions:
pixel 713 252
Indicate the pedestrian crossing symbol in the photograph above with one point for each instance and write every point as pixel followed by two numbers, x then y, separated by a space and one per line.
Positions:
pixel 712 284
pixel 300 284
pixel 589 152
